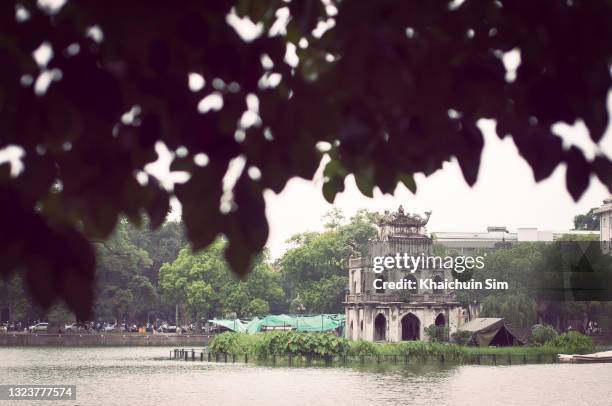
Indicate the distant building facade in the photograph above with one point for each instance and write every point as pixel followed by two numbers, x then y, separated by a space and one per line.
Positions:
pixel 605 224
pixel 400 315
pixel 499 236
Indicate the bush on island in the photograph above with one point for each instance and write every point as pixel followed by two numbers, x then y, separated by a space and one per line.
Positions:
pixel 575 343
pixel 280 343
pixel 437 333
pixel 363 348
pixel 461 337
pixel 543 334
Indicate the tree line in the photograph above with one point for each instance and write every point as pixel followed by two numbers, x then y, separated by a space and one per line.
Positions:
pixel 145 275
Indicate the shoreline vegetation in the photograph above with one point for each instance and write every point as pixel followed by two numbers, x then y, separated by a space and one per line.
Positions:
pixel 331 348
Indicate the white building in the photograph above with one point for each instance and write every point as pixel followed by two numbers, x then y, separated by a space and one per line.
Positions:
pixel 465 241
pixel 605 224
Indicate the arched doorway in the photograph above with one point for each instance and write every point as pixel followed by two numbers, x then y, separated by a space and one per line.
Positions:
pixel 380 328
pixel 411 327
pixel 440 320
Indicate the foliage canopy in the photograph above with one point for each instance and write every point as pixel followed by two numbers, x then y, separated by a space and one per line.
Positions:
pixel 394 87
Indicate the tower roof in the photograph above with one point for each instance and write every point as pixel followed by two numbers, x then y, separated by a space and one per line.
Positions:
pixel 399 225
pixel 401 219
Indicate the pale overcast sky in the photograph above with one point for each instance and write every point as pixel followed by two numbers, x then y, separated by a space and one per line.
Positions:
pixel 505 195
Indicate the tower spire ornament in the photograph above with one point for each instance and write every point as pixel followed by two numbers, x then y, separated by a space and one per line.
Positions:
pixel 401 225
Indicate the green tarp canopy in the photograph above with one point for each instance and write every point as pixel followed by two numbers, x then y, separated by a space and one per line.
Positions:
pixel 318 323
pixel 493 331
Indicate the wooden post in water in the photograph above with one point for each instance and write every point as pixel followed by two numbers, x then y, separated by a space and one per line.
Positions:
pixel 192 354
pixel 209 356
pixel 273 359
pixel 246 358
pixel 225 358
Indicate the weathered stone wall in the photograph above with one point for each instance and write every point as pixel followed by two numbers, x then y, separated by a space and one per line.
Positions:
pixel 394 313
pixel 75 340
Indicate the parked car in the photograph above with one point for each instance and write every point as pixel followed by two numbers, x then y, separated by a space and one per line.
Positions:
pixel 109 327
pixel 71 328
pixel 166 328
pixel 38 327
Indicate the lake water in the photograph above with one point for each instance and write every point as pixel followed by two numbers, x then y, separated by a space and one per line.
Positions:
pixel 145 376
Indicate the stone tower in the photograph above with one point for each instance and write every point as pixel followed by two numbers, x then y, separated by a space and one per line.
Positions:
pixel 400 315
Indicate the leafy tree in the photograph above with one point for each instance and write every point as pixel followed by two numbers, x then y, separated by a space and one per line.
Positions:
pixel 587 221
pixel 58 316
pixel 123 292
pixel 203 285
pixel 197 301
pixel 518 309
pixel 258 307
pixel 13 299
pixel 578 237
pixel 314 270
pixel 162 245
pixel 394 88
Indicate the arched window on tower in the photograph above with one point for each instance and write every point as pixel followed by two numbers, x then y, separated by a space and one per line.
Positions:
pixel 382 279
pixel 411 284
pixel 437 280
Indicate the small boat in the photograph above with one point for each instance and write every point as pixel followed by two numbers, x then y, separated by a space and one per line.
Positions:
pixel 604 356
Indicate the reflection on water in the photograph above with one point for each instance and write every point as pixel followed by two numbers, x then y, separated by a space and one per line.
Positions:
pixel 144 376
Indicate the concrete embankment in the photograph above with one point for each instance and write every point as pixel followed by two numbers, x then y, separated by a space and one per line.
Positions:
pixel 102 339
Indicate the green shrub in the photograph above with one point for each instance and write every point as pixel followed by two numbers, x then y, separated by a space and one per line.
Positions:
pixel 280 343
pixel 234 343
pixel 543 333
pixel 461 337
pixel 224 343
pixel 289 342
pixel 575 343
pixel 361 347
pixel 437 334
pixel 412 348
